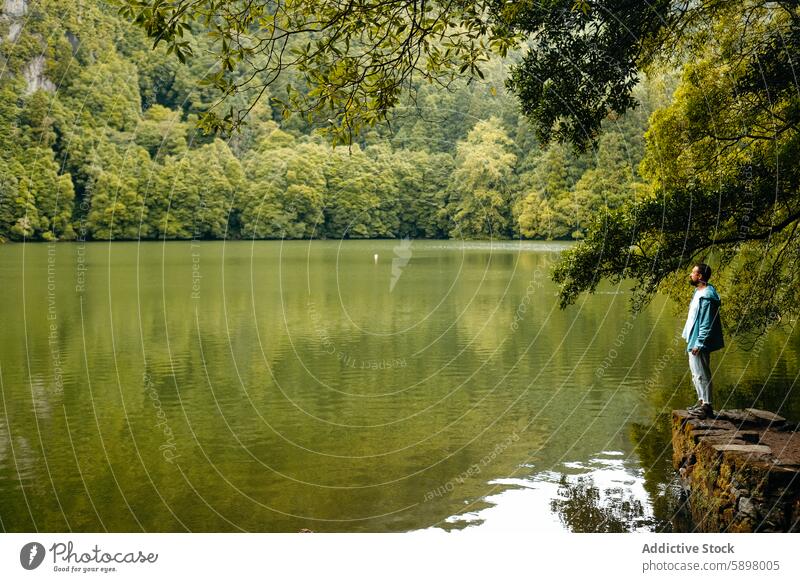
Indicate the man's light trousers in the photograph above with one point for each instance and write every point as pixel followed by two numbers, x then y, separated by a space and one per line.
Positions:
pixel 700 365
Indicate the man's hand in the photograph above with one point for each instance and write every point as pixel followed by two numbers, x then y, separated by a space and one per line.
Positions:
pixel 695 351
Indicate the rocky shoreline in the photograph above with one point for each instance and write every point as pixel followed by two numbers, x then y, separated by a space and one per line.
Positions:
pixel 740 471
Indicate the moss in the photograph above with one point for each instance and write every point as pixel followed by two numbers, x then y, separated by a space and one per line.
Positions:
pixel 715 478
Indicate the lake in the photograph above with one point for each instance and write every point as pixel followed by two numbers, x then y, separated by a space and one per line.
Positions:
pixel 380 386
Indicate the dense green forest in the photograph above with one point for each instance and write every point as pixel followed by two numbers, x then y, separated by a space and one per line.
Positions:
pixel 100 140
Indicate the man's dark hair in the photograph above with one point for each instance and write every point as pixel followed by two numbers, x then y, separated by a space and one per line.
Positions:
pixel 704 271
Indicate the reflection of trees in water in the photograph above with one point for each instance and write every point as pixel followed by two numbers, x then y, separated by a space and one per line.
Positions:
pixel 584 507
pixel 653 445
pixel 584 510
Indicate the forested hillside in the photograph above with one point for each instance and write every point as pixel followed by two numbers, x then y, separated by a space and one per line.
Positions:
pixel 99 140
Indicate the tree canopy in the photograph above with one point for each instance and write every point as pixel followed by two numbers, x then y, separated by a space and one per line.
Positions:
pixel 720 169
pixel 101 142
pixel 354 59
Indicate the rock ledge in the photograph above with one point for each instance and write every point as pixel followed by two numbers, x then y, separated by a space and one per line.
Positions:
pixel 740 470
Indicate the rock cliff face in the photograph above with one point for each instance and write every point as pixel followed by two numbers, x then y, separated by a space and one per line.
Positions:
pixel 35 77
pixel 14 10
pixel 741 471
pixel 34 71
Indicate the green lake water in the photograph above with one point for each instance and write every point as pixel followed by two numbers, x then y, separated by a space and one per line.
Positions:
pixel 376 386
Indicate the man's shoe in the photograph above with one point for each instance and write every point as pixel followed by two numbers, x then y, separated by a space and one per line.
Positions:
pixel 703 412
pixel 696 406
pixel 698 413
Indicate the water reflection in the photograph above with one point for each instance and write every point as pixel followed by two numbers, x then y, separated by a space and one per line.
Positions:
pixel 582 507
pixel 257 397
pixel 612 492
pixel 601 496
pixel 604 494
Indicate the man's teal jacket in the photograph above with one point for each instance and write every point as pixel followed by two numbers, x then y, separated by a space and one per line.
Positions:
pixel 706 332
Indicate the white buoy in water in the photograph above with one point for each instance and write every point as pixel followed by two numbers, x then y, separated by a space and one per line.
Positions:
pixel 376 258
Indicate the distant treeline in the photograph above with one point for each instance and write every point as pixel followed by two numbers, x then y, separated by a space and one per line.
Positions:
pixel 99 140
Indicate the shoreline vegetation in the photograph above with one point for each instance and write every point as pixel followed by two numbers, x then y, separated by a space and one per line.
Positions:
pixel 100 140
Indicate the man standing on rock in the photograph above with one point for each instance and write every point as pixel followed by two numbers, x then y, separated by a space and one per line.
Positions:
pixel 703 335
